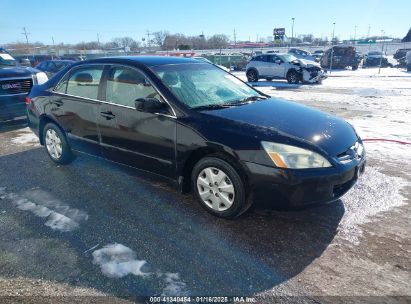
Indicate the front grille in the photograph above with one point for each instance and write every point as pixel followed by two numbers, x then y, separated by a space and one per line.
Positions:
pixel 354 152
pixel 15 86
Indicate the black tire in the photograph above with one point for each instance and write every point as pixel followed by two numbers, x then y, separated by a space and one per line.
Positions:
pixel 354 67
pixel 240 203
pixel 252 75
pixel 269 79
pixel 293 77
pixel 66 156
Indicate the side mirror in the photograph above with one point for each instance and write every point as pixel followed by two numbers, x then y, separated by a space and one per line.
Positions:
pixel 149 105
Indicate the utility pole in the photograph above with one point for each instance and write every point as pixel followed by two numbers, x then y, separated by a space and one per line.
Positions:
pixel 382 50
pixel 355 33
pixel 292 31
pixel 149 40
pixel 98 40
pixel 27 39
pixel 332 48
pixel 235 40
pixel 54 50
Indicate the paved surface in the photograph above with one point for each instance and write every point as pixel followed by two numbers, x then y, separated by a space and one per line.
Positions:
pixel 97 228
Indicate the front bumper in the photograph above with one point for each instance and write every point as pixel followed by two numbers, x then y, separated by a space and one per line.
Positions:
pixel 303 187
pixel 12 107
pixel 313 76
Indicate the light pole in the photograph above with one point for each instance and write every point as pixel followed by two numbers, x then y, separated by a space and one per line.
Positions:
pixel 382 50
pixel 332 48
pixel 292 31
pixel 355 33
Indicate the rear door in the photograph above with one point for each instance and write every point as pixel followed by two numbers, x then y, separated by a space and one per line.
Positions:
pixel 139 139
pixel 75 105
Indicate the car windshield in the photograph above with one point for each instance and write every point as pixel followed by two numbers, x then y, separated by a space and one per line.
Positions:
pixel 287 57
pixel 203 59
pixel 7 60
pixel 204 85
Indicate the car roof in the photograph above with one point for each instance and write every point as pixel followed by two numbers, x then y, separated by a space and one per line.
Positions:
pixel 149 61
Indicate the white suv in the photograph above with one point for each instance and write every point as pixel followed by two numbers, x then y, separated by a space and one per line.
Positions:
pixel 284 66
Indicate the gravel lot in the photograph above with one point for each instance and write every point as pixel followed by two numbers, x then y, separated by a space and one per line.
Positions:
pixel 99 229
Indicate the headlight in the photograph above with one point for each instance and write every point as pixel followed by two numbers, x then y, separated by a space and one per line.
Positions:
pixel 41 77
pixel 285 156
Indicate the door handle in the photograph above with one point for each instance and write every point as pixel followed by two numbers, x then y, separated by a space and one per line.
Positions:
pixel 108 115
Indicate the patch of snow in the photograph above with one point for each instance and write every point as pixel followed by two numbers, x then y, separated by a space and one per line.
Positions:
pixel 59 217
pixel 374 193
pixel 25 137
pixel 117 261
pixel 174 286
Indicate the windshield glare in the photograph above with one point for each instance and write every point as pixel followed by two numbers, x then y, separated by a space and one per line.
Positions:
pixel 201 85
pixel 7 60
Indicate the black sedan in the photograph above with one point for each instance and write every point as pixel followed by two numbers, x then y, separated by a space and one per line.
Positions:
pixel 199 126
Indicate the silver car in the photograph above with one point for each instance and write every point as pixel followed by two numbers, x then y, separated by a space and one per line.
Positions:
pixel 284 66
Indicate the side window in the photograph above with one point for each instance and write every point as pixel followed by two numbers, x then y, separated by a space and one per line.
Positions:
pixel 84 82
pixel 125 85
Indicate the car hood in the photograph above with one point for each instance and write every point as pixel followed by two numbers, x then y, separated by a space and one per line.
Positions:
pixel 17 71
pixel 281 117
pixel 308 63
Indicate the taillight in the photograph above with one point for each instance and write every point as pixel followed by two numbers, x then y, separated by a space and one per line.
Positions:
pixel 28 100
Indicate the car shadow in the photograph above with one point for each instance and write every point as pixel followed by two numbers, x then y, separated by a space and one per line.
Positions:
pixel 13 125
pixel 168 230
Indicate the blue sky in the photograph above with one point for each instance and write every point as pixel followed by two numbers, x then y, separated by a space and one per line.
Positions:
pixel 74 21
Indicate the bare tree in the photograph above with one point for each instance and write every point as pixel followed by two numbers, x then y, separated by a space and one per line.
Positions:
pixel 160 39
pixel 125 42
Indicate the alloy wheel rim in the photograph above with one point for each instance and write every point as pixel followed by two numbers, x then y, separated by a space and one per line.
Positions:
pixel 53 144
pixel 215 189
pixel 252 76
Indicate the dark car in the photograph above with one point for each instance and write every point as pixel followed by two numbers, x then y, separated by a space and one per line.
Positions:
pixel 51 67
pixel 400 56
pixel 199 126
pixel 342 57
pixel 318 54
pixel 15 83
pixel 375 59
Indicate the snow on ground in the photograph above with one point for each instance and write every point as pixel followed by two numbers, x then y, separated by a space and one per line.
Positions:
pixel 373 194
pixel 59 217
pixel 25 137
pixel 117 261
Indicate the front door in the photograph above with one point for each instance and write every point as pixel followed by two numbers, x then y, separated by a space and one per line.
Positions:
pixel 139 139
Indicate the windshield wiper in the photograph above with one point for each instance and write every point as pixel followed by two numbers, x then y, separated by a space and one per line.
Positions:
pixel 248 99
pixel 212 106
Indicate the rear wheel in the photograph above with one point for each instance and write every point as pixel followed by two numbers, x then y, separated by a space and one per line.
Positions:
pixel 269 79
pixel 56 145
pixel 219 188
pixel 354 67
pixel 293 77
pixel 252 76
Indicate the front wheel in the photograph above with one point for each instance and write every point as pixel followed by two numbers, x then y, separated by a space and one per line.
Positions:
pixel 219 188
pixel 252 76
pixel 354 67
pixel 56 145
pixel 293 77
